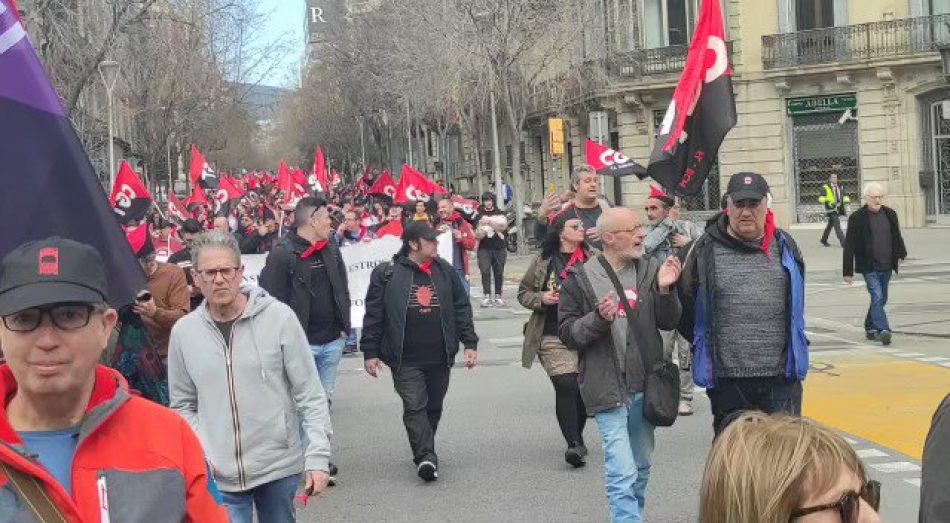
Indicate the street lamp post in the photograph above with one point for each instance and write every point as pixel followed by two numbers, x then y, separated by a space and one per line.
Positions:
pixel 361 119
pixel 496 153
pixel 109 73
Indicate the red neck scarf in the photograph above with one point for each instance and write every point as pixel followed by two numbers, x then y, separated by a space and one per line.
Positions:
pixel 315 248
pixel 769 232
pixel 579 256
pixel 426 267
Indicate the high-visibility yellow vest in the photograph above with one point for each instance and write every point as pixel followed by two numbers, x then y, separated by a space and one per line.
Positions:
pixel 829 199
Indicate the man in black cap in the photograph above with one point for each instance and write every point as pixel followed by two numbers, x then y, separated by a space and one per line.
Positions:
pixel 70 429
pixel 417 315
pixel 742 290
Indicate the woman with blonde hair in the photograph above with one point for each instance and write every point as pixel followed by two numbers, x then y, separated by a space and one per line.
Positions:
pixel 777 469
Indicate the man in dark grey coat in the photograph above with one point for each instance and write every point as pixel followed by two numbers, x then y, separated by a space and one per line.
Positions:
pixel 611 350
pixel 935 476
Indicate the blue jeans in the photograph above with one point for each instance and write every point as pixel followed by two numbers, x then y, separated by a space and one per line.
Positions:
pixel 351 340
pixel 628 449
pixel 327 358
pixel 876 319
pixel 274 502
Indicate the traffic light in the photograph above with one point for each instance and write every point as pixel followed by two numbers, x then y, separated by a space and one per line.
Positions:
pixel 556 137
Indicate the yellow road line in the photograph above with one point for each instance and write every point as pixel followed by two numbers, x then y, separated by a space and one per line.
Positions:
pixel 882 400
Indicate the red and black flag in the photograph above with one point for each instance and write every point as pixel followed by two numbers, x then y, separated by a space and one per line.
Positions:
pixel 197 199
pixel 226 197
pixel 130 199
pixel 201 173
pixel 702 111
pixel 609 162
pixel 176 209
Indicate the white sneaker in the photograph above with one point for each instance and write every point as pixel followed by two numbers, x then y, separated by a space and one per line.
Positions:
pixel 488 302
pixel 499 302
pixel 686 409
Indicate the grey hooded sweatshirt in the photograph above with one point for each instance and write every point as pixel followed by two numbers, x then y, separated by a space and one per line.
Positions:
pixel 247 397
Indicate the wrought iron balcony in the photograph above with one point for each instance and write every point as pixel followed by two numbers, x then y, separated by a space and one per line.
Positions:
pixel 851 43
pixel 574 86
pixel 656 61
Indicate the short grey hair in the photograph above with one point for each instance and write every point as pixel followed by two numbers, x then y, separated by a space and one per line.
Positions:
pixel 872 186
pixel 579 173
pixel 215 240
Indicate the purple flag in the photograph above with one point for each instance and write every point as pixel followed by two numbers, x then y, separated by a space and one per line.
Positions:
pixel 49 186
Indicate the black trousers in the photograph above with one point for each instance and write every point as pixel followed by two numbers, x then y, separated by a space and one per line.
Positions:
pixel 569 408
pixel 834 221
pixel 422 390
pixel 771 395
pixel 492 261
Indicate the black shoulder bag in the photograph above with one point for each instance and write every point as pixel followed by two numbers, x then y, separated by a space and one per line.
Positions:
pixel 661 383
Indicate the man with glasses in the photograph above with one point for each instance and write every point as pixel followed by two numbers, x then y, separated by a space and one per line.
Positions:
pixel 306 272
pixel 351 232
pixel 743 295
pixel 70 426
pixel 241 373
pixel 611 348
pixel 874 247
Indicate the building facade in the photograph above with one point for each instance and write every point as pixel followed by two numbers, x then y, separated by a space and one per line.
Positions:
pixel 853 87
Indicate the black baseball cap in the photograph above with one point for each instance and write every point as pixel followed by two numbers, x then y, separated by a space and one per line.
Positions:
pixel 53 270
pixel 415 231
pixel 747 186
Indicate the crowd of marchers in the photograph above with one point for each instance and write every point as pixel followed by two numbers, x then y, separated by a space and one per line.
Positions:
pixel 216 403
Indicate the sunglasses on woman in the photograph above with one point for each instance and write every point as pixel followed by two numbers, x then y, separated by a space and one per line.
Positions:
pixel 849 506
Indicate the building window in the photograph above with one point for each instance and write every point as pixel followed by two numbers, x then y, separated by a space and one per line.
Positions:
pixel 814 14
pixel 939 7
pixel 667 22
pixel 823 144
pixel 621 24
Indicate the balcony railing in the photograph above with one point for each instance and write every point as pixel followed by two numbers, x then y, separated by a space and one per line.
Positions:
pixel 575 86
pixel 656 61
pixel 873 40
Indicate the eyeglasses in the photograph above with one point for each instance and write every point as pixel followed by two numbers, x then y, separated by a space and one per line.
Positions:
pixel 65 316
pixel 208 275
pixel 575 226
pixel 849 506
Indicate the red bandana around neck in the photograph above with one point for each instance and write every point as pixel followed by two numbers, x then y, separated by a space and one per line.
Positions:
pixel 578 257
pixel 315 248
pixel 426 267
pixel 769 232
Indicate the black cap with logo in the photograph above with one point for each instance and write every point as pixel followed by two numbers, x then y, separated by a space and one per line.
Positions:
pixel 53 270
pixel 747 186
pixel 415 231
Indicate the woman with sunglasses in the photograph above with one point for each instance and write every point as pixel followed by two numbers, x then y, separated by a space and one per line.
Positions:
pixel 562 248
pixel 779 469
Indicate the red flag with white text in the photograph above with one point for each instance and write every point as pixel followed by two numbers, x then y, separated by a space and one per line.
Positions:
pixel 609 162
pixel 130 199
pixel 176 209
pixel 226 197
pixel 384 185
pixel 702 111
pixel 413 185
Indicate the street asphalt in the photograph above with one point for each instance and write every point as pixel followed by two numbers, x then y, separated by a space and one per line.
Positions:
pixel 502 455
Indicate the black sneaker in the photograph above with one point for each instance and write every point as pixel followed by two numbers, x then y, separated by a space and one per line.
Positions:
pixel 886 338
pixel 427 471
pixel 575 456
pixel 332 475
pixel 871 335
pixel 825 243
pixel 350 349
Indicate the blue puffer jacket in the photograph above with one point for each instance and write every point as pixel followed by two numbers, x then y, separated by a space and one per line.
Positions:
pixel 696 323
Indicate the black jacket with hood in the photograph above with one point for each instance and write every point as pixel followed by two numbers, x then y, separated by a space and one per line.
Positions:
pixel 387 301
pixel 935 475
pixel 288 278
